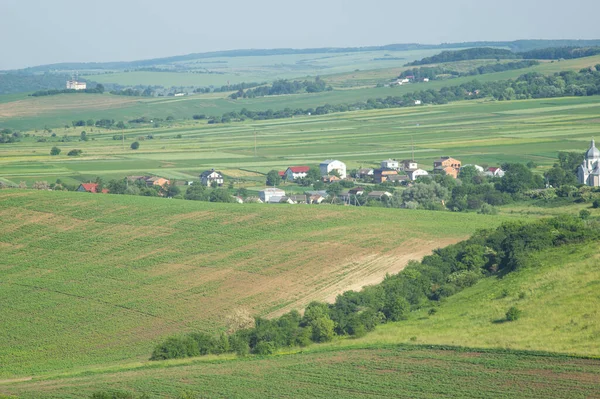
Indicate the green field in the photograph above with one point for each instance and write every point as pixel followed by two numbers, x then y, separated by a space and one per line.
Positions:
pixel 224 70
pixel 91 279
pixel 482 132
pixel 377 372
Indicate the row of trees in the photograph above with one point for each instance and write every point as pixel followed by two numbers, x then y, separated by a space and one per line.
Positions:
pixel 420 285
pixel 283 86
pixel 433 73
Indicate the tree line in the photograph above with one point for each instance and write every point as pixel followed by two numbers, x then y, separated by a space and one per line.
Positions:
pixel 550 53
pixel 421 285
pixel 433 73
pixel 283 86
pixel 99 89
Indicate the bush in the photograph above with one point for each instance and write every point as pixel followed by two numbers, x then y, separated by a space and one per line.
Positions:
pixel 513 314
pixel 135 145
pixel 264 348
pixel 74 153
pixel 55 151
pixel 596 204
pixel 584 214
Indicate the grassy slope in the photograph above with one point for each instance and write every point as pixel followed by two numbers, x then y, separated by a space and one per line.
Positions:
pixel 88 279
pixel 353 373
pixel 474 132
pixel 559 295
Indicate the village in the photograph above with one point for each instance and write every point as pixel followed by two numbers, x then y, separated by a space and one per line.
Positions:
pixel 330 183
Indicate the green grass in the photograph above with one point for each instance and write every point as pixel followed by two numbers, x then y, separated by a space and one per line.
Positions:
pixel 384 371
pixel 91 279
pixel 482 132
pixel 558 294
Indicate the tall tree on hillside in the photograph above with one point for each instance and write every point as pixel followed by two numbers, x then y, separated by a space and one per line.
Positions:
pixel 273 178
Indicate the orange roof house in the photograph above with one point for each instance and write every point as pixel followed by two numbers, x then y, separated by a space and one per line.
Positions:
pixel 90 188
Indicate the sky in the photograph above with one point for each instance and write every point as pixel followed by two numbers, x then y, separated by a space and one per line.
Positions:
pixel 35 32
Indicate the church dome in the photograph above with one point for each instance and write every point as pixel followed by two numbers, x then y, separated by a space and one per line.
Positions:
pixel 593 152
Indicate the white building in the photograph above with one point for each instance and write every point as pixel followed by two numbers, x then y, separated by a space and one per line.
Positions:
pixel 414 173
pixel 330 165
pixel 408 164
pixel 418 102
pixel 296 172
pixel 75 85
pixel 210 176
pixel 494 172
pixel 270 193
pixel 588 172
pixel 425 79
pixel 390 164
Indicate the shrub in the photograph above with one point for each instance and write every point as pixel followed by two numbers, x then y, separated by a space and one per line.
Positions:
pixel 264 348
pixel 172 348
pixel 135 145
pixel 55 151
pixel 596 204
pixel 513 314
pixel 74 153
pixel 584 214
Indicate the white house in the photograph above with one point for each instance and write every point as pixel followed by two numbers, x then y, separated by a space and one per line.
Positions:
pixel 208 177
pixel 418 102
pixel 407 164
pixel 330 165
pixel 270 193
pixel 390 164
pixel 494 172
pixel 75 85
pixel 414 173
pixel 296 172
pixel 425 79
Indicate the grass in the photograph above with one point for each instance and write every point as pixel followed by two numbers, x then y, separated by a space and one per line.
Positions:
pixel 487 133
pixel 90 279
pixel 382 371
pixel 558 294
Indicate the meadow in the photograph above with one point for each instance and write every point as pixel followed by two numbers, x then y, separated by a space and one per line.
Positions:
pixel 93 279
pixel 371 371
pixel 482 132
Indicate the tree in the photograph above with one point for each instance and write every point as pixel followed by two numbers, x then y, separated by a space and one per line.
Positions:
pixel 55 151
pixel 273 178
pixel 171 190
pixel 135 145
pixel 74 153
pixel 89 122
pixel 83 136
pixel 517 179
pixel 468 173
pixel 220 195
pixel 334 189
pixel 396 308
pixel 196 192
pixel 322 329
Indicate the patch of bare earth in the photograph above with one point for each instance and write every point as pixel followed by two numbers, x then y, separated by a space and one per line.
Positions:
pixel 37 106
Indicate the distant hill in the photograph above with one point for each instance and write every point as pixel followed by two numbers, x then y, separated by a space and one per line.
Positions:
pixel 476 53
pixel 516 46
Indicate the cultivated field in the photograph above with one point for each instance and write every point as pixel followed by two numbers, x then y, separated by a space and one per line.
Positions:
pixel 90 279
pixel 378 372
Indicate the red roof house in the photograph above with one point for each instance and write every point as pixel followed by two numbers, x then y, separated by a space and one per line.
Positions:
pixel 296 172
pixel 90 188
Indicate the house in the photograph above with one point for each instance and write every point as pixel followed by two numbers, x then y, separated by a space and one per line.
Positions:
pixel 408 164
pixel 425 79
pixel 414 173
pixel 75 85
pixel 379 194
pixel 445 164
pixel 268 193
pixel 381 175
pixel 284 200
pixel 418 102
pixel 316 199
pixel 322 193
pixel 276 199
pixel 449 170
pixel 494 171
pixel 390 164
pixel 238 199
pixel 90 188
pixel 331 165
pixel 296 172
pixel 588 172
pixel 156 181
pixel 208 177
pixel 298 198
pixel 397 178
pixel 281 173
pixel 364 172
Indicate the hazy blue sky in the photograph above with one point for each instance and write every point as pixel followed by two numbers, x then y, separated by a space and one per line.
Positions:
pixel 34 32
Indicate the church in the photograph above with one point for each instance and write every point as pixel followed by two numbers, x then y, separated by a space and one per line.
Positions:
pixel 588 172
